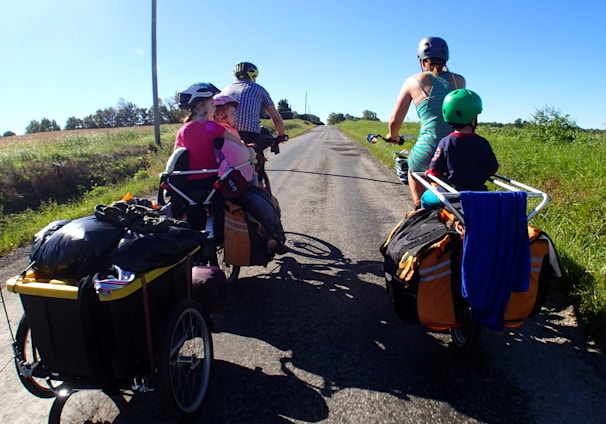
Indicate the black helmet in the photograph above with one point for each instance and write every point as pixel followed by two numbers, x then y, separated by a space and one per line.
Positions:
pixel 246 71
pixel 433 48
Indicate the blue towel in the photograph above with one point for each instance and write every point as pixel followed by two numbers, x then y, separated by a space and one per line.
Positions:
pixel 496 252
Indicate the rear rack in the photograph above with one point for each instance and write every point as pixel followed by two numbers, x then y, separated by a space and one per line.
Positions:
pixel 502 182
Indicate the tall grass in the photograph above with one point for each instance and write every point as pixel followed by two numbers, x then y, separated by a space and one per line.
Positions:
pixel 113 161
pixel 573 174
pixel 101 156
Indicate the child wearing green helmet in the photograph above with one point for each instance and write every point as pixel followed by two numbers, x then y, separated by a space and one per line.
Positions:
pixel 463 159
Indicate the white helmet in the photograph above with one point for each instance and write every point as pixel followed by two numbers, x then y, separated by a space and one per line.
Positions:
pixel 195 91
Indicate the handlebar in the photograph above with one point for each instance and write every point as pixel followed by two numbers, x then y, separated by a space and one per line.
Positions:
pixel 373 138
pixel 267 140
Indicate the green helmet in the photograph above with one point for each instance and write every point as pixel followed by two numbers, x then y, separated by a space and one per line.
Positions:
pixel 461 106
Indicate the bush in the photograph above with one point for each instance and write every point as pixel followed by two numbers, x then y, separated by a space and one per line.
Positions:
pixel 553 126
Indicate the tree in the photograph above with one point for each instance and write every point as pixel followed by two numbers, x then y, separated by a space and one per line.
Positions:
pixel 48 125
pixel 335 118
pixel 8 134
pixel 32 127
pixel 284 109
pixel 175 114
pixel 73 123
pixel 369 116
pixel 44 125
pixel 89 122
pixel 105 118
pixel 128 115
pixel 314 119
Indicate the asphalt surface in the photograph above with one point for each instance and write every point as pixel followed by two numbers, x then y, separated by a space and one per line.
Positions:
pixel 312 337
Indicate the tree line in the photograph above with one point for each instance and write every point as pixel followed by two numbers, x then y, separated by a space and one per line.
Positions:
pixel 128 114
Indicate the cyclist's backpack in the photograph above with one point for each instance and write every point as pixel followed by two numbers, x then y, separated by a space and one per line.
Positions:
pixel 244 238
pixel 422 265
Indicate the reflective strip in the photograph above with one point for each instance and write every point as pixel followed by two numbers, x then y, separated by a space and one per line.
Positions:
pixel 236 225
pixel 536 264
pixel 429 274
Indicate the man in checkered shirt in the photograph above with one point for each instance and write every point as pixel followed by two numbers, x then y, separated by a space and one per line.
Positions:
pixel 252 98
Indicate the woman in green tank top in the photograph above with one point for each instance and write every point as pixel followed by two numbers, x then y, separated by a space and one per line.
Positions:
pixel 426 90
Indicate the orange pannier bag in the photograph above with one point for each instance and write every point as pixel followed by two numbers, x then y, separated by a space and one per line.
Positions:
pixel 543 265
pixel 422 258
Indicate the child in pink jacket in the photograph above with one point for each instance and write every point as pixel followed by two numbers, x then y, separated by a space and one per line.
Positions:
pixel 233 153
pixel 257 201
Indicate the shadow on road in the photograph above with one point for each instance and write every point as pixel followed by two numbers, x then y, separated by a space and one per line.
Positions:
pixel 339 325
pixel 330 321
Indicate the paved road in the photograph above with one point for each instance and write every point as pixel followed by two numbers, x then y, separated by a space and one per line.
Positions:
pixel 313 338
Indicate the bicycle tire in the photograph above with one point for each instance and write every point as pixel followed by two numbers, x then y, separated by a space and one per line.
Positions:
pixel 466 336
pixel 86 406
pixel 186 358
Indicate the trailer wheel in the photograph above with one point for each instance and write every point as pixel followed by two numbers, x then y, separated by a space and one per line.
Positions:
pixel 30 369
pixel 186 357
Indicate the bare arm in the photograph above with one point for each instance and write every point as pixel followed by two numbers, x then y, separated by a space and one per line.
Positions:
pixel 276 119
pixel 401 108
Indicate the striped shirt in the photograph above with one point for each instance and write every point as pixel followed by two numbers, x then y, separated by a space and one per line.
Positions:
pixel 251 98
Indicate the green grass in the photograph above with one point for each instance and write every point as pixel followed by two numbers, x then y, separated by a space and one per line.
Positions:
pixel 574 176
pixel 118 161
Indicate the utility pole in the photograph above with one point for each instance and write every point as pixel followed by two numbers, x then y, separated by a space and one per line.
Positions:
pixel 155 78
pixel 306 105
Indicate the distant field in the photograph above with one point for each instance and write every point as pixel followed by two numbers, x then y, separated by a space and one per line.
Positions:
pixel 45 137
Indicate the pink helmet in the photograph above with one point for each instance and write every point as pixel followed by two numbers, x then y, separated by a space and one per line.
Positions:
pixel 222 99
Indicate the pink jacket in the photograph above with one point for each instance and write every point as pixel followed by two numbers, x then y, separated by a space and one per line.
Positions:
pixel 235 154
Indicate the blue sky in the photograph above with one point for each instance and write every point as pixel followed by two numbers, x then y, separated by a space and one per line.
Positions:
pixel 63 58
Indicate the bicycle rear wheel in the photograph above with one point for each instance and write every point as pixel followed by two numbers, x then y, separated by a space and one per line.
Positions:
pixel 232 272
pixel 86 406
pixel 466 336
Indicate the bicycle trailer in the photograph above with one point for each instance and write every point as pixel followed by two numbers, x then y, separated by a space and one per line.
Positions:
pixel 450 273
